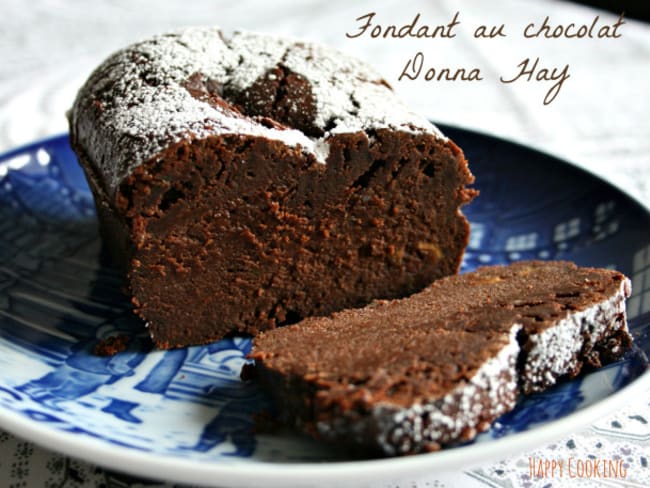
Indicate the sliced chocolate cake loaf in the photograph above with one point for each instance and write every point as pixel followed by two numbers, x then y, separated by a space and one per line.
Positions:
pixel 415 374
pixel 247 181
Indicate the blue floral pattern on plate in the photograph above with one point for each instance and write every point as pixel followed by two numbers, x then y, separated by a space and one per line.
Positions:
pixel 59 297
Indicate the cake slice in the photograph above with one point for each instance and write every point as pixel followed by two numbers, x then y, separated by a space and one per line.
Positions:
pixel 248 181
pixel 415 374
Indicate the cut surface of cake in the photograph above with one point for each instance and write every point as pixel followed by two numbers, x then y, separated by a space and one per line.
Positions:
pixel 247 181
pixel 412 375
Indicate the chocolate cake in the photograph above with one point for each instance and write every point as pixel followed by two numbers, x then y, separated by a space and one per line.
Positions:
pixel 246 181
pixel 436 368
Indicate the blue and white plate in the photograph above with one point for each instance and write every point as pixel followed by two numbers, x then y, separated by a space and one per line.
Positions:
pixel 184 415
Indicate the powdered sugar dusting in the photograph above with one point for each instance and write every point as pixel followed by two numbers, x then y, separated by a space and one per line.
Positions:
pixel 491 392
pixel 557 350
pixel 134 105
pixel 459 414
pixel 256 54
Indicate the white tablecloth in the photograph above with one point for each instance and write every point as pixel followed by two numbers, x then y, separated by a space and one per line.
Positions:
pixel 599 119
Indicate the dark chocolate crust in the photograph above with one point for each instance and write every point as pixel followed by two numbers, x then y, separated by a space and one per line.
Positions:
pixel 269 212
pixel 415 374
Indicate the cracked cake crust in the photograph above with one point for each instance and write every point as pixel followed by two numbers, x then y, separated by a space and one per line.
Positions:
pixel 138 102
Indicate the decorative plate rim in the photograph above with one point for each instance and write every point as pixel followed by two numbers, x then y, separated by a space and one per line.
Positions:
pixel 244 473
pixel 237 472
